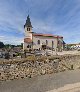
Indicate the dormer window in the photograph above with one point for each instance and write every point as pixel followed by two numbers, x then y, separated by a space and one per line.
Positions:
pixel 28 29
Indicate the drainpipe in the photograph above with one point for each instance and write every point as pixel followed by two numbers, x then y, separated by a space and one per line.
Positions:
pixel 32 40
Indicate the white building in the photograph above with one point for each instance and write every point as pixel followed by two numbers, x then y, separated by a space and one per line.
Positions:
pixel 75 46
pixel 40 41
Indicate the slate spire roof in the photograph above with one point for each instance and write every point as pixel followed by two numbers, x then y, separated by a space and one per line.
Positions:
pixel 28 22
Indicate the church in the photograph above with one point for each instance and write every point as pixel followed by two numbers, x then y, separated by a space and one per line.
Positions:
pixel 40 41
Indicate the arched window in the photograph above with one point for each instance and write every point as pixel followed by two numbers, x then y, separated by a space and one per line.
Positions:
pixel 28 46
pixel 28 29
pixel 52 42
pixel 38 42
pixel 58 42
pixel 46 42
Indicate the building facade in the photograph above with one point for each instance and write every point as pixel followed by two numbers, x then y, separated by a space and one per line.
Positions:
pixel 40 41
pixel 75 46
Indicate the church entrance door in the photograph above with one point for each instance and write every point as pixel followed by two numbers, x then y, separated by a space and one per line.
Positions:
pixel 43 47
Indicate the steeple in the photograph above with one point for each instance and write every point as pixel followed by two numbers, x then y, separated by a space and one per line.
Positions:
pixel 28 28
pixel 28 22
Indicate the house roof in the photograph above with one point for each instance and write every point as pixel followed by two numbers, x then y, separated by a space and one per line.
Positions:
pixel 27 40
pixel 47 35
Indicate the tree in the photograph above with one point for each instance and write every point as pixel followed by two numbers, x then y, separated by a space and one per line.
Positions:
pixel 7 46
pixel 12 46
pixel 1 45
pixel 21 45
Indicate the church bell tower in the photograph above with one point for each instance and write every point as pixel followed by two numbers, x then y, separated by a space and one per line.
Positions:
pixel 28 28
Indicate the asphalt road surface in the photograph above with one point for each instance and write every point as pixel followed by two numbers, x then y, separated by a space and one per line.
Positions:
pixel 45 83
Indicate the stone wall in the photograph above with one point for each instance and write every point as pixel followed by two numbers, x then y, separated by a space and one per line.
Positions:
pixel 35 66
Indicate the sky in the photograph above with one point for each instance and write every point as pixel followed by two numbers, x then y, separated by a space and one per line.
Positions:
pixel 57 17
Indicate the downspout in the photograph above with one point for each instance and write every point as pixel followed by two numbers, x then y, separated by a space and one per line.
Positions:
pixel 32 40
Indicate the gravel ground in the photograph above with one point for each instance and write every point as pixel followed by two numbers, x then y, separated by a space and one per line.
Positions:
pixel 43 83
pixel 69 52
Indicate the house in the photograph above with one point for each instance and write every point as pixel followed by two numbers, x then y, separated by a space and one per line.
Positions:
pixel 40 41
pixel 75 46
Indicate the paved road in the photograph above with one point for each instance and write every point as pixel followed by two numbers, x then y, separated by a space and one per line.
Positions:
pixel 75 87
pixel 44 83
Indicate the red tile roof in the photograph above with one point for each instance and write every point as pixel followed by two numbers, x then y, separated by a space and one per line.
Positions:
pixel 27 40
pixel 46 35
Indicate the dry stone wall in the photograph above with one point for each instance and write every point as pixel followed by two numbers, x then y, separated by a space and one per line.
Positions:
pixel 27 68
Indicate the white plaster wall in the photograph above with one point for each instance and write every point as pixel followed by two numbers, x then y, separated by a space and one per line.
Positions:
pixel 43 40
pixel 25 46
pixel 28 34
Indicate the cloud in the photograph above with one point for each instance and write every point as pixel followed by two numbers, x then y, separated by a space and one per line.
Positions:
pixel 11 24
pixel 11 39
pixel 60 17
